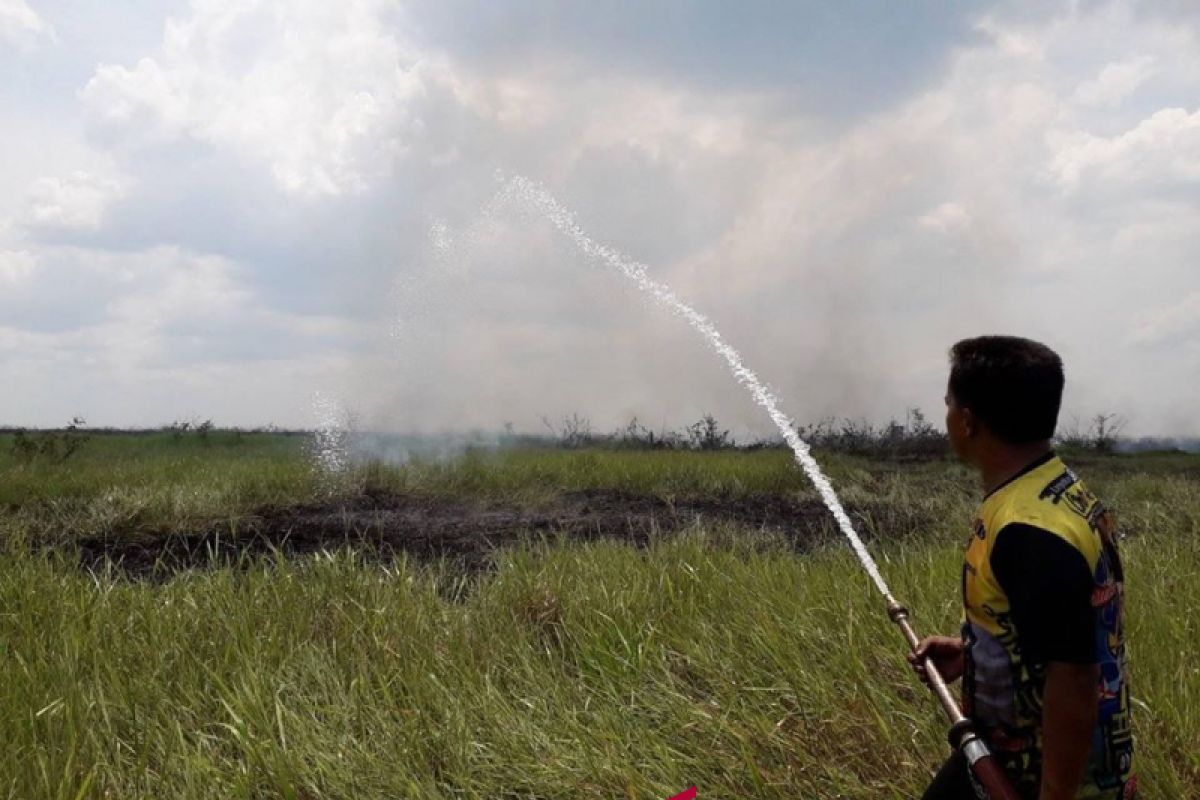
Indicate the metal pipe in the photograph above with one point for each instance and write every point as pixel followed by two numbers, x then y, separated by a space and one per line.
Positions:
pixel 988 778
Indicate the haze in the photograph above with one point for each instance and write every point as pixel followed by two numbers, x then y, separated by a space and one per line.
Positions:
pixel 217 210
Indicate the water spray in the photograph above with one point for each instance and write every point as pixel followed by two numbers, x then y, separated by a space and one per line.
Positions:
pixel 990 780
pixel 330 439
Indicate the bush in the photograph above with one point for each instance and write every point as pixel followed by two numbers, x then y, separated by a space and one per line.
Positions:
pixel 1101 436
pixel 707 435
pixel 180 428
pixel 916 437
pixel 55 446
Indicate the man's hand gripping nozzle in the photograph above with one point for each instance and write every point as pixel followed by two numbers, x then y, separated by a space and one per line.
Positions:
pixel 988 778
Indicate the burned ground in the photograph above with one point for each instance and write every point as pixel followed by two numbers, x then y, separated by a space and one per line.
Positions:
pixel 467 536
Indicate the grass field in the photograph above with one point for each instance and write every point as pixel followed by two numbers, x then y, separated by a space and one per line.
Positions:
pixel 714 653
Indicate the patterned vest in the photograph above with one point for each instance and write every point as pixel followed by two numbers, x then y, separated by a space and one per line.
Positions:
pixel 1001 692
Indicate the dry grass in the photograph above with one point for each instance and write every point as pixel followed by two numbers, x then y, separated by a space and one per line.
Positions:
pixel 592 670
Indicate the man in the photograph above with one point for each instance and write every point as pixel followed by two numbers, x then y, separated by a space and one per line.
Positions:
pixel 1042 652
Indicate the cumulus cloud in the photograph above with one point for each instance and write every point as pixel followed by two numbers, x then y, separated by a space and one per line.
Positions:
pixel 321 93
pixel 1161 151
pixel 165 332
pixel 21 26
pixel 75 201
pixel 1115 82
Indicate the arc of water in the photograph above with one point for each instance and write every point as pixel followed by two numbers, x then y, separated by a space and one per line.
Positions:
pixel 533 195
pixel 330 451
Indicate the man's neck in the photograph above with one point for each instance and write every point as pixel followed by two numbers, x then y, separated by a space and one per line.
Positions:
pixel 1001 464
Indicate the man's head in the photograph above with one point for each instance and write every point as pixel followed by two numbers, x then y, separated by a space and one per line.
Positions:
pixel 1004 391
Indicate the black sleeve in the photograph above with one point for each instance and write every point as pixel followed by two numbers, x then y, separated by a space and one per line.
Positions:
pixel 1049 588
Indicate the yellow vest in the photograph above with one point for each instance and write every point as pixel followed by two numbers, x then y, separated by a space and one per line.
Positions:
pixel 1003 694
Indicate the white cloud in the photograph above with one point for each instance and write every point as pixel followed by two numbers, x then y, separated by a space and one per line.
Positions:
pixel 153 309
pixel 186 287
pixel 326 94
pixel 76 201
pixel 20 25
pixel 1012 42
pixel 155 335
pixel 1115 82
pixel 1162 150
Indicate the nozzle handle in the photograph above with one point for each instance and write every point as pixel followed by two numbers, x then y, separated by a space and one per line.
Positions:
pixel 988 776
pixel 937 683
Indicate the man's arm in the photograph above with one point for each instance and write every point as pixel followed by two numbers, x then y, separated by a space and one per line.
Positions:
pixel 1069 702
pixel 1049 587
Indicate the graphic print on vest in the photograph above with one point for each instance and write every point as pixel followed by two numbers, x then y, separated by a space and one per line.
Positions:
pixel 1002 691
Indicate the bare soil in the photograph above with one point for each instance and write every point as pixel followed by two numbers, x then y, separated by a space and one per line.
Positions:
pixel 467 536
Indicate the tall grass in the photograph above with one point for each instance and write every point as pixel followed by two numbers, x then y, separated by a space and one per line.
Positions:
pixel 595 670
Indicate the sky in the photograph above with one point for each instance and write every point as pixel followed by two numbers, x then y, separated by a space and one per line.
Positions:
pixel 237 210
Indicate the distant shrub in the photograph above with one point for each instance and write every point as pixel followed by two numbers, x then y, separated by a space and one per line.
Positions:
pixel 180 428
pixel 1102 435
pixel 177 429
pixel 575 431
pixel 636 436
pixel 915 437
pixel 707 435
pixel 55 446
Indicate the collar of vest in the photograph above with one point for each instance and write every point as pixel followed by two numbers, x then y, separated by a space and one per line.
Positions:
pixel 1025 470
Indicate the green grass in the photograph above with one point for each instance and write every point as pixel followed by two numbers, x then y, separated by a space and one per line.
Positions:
pixel 573 671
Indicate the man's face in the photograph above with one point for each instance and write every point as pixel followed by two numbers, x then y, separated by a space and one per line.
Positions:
pixel 958 426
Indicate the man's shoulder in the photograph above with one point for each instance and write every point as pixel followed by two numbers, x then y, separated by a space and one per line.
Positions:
pixel 1025 544
pixel 1052 497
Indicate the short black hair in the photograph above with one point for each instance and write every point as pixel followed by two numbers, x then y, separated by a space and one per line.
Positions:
pixel 1013 385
